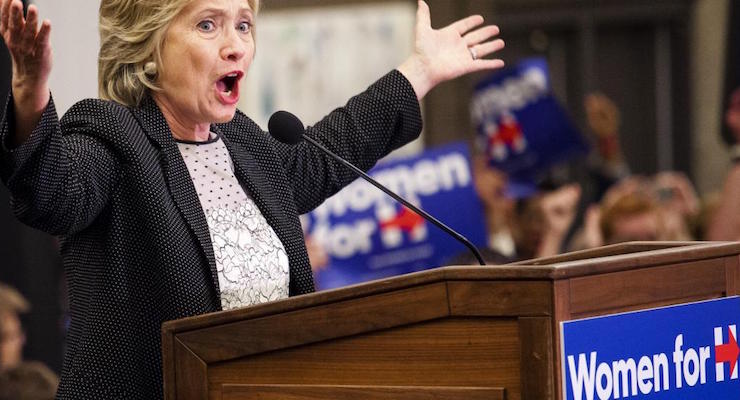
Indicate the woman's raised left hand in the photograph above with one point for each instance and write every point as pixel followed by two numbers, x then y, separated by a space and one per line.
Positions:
pixel 450 52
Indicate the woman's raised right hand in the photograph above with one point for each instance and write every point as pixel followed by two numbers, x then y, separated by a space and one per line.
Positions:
pixel 30 52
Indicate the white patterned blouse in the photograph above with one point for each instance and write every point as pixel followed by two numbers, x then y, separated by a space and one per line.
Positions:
pixel 251 260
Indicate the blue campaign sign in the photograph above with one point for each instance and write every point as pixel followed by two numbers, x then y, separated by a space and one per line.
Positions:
pixel 368 235
pixel 688 351
pixel 521 127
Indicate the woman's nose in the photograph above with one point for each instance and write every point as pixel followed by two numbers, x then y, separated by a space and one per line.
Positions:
pixel 234 46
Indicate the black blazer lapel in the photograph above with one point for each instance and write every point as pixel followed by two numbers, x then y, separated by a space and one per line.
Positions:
pixel 178 179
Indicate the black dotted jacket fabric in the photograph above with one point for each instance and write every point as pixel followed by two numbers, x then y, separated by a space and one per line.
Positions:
pixel 110 181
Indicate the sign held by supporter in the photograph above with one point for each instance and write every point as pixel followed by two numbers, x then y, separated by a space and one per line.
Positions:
pixel 521 127
pixel 368 235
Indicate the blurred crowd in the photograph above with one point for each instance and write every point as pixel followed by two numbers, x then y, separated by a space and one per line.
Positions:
pixel 597 201
pixel 603 203
pixel 20 379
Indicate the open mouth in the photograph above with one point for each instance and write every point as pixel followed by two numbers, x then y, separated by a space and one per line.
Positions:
pixel 228 85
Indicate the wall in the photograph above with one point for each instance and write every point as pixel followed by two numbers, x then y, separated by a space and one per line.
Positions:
pixel 708 41
pixel 74 40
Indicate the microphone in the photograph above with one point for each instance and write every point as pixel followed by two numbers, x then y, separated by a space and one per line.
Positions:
pixel 288 129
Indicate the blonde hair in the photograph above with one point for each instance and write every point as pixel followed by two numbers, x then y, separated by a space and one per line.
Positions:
pixel 627 205
pixel 132 33
pixel 29 380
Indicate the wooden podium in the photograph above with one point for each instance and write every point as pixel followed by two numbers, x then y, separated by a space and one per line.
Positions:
pixel 449 333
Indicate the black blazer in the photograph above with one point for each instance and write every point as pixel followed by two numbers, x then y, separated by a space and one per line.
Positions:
pixel 135 244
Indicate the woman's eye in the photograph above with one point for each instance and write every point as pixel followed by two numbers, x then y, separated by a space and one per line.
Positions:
pixel 206 26
pixel 244 26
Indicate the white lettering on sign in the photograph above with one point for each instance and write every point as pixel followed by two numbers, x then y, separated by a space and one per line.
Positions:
pixel 426 177
pixel 618 379
pixel 629 377
pixel 511 95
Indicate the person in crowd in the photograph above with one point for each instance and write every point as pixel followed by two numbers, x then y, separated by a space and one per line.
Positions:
pixel 583 180
pixel 673 194
pixel 608 163
pixel 498 207
pixel 169 201
pixel 662 207
pixel 543 220
pixel 679 204
pixel 521 228
pixel 604 166
pixel 12 338
pixel 499 216
pixel 632 216
pixel 30 380
pixel 724 222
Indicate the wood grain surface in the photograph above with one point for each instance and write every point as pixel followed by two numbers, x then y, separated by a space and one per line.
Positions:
pixel 454 332
pixel 295 392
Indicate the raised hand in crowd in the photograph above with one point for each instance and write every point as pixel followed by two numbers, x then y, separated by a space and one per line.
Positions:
pixel 675 190
pixel 603 118
pixel 602 115
pixel 589 235
pixel 559 210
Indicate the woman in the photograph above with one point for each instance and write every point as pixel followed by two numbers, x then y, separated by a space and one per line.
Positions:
pixel 151 234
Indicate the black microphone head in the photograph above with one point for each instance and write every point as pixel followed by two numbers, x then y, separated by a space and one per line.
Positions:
pixel 285 127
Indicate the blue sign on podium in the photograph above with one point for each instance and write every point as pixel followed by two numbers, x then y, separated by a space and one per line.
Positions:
pixel 687 351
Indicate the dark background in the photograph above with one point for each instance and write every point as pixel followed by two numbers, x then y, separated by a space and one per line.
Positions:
pixel 29 261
